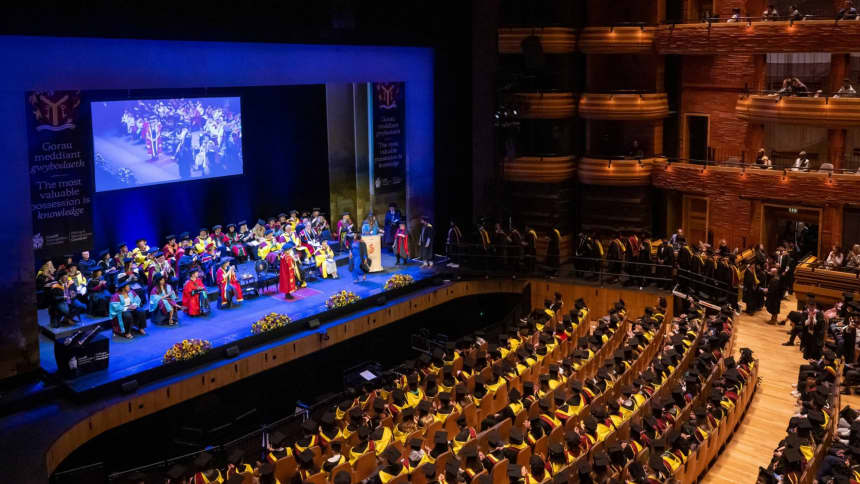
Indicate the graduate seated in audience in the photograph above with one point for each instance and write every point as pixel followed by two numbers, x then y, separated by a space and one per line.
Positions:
pixel 126 313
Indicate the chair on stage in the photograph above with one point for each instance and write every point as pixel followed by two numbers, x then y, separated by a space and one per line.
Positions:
pixel 247 277
pixel 264 277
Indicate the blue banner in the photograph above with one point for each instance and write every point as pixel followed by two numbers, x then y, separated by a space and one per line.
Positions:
pixel 60 174
pixel 389 136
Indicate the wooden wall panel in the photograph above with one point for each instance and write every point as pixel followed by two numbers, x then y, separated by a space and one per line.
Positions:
pixel 735 197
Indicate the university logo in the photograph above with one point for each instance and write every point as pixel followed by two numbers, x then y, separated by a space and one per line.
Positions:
pixel 386 94
pixel 55 110
pixel 38 241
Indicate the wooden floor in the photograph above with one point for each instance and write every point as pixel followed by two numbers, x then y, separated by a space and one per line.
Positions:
pixel 773 405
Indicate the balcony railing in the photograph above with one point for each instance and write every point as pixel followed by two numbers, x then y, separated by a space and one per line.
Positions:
pixel 546 105
pixel 554 40
pixel 624 106
pixel 830 112
pixel 615 171
pixel 618 39
pixel 541 169
pixel 754 35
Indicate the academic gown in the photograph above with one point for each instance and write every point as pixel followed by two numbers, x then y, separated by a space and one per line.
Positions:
pixel 190 300
pixel 391 221
pixel 774 295
pixel 287 280
pixel 224 279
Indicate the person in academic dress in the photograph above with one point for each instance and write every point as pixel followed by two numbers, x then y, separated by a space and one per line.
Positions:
pixel 324 258
pixel 229 290
pixel 774 295
pixel 452 241
pixel 401 243
pixel 665 261
pixel 751 289
pixel 425 242
pixel 163 304
pixel 194 297
pixel 98 293
pixel 392 220
pixel 126 313
pixel 357 259
pixel 287 280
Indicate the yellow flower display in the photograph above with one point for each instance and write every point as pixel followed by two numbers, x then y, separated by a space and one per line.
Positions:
pixel 186 350
pixel 398 281
pixel 341 299
pixel 269 322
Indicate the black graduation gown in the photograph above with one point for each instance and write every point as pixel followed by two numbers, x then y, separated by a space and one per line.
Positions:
pixel 774 295
pixel 751 290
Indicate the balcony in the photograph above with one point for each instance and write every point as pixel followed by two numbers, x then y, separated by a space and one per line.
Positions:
pixel 554 40
pixel 816 111
pixel 616 172
pixel 617 40
pixel 546 105
pixel 624 107
pixel 746 181
pixel 540 169
pixel 756 37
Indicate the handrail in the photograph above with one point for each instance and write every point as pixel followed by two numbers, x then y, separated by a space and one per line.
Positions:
pixel 745 19
pixel 786 171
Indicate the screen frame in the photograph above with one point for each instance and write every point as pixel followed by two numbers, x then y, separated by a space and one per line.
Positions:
pixel 95 96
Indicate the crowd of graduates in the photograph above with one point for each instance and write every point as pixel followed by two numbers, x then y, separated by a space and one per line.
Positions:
pixel 808 430
pixel 546 400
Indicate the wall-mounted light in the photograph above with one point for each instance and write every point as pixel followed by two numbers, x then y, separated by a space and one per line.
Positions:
pixel 611 29
pixel 610 164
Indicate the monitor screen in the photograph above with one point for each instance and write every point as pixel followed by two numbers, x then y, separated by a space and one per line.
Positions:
pixel 151 141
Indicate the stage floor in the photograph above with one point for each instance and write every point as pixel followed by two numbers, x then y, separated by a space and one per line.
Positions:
pixel 221 327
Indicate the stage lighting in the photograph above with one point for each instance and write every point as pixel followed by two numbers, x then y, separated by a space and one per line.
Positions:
pixel 129 386
pixel 231 351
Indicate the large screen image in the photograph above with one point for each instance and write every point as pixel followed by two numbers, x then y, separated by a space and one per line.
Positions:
pixel 150 141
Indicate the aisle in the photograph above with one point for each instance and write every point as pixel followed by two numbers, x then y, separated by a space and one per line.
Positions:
pixel 767 417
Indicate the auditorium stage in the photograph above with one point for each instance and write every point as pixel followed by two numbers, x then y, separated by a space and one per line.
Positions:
pixel 130 358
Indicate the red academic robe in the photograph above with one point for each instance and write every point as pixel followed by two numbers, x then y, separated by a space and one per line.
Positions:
pixel 287 280
pixel 220 277
pixel 192 302
pixel 401 244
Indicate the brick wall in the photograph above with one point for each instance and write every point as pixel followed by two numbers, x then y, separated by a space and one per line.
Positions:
pixel 711 85
pixel 736 199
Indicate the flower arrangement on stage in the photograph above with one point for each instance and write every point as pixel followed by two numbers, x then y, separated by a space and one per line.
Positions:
pixel 398 281
pixel 341 299
pixel 269 322
pixel 187 349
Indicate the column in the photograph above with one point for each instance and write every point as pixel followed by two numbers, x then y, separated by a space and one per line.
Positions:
pixel 838 71
pixel 836 147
